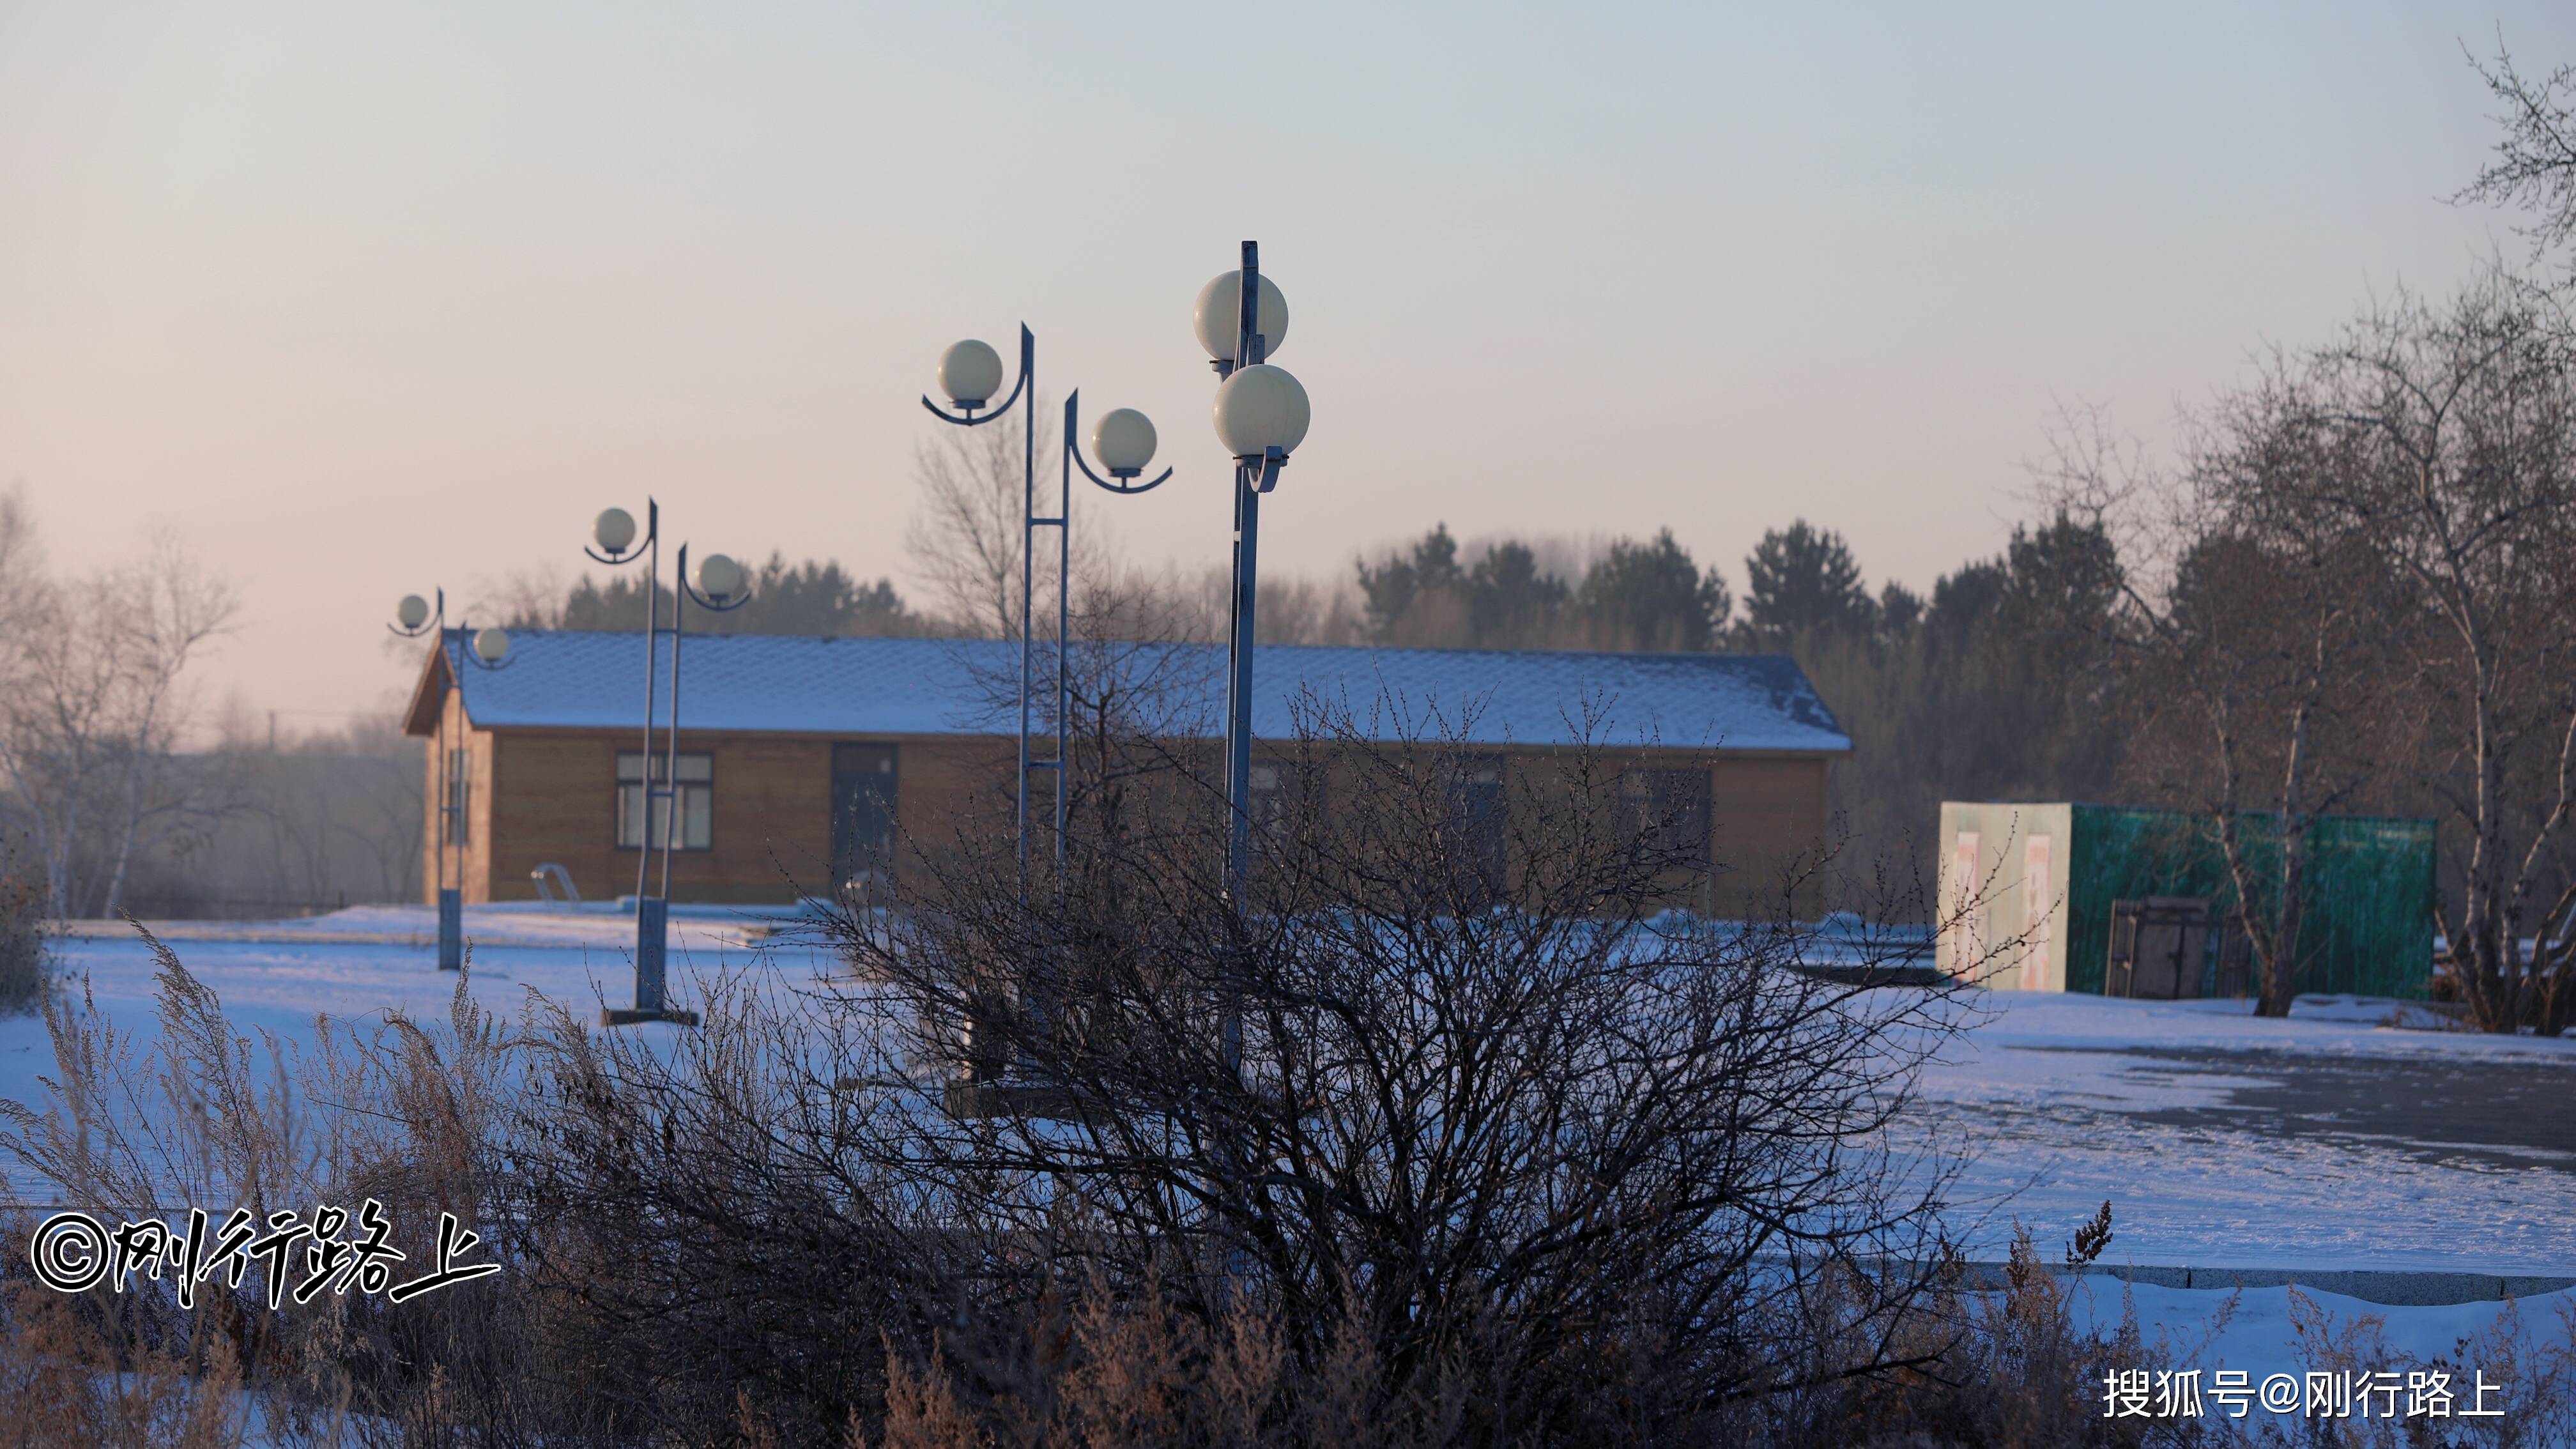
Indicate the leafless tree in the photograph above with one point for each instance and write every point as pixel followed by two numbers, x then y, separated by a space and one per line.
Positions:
pixel 2460 424
pixel 324 816
pixel 525 598
pixel 95 709
pixel 2393 515
pixel 2535 160
pixel 2256 635
pixel 965 539
pixel 155 620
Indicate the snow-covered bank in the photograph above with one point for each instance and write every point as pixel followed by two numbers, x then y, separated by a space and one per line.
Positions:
pixel 2280 1330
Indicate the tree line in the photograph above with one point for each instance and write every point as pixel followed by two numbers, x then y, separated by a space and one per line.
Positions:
pixel 814 597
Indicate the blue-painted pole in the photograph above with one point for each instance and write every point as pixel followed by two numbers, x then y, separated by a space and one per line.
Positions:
pixel 451 900
pixel 1249 347
pixel 650 915
pixel 1029 526
pixel 451 929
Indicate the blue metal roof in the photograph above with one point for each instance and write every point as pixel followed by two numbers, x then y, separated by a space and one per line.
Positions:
pixel 803 685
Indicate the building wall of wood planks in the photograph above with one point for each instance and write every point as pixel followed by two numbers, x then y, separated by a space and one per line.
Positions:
pixel 549 795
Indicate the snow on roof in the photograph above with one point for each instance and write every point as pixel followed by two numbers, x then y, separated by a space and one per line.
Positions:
pixel 803 685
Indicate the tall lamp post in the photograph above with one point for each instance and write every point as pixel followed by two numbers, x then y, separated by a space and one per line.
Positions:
pixel 488 649
pixel 1261 416
pixel 970 374
pixel 721 588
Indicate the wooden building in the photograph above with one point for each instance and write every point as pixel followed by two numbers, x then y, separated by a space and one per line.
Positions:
pixel 803 761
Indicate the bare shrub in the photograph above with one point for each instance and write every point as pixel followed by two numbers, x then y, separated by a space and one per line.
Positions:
pixel 1466 1087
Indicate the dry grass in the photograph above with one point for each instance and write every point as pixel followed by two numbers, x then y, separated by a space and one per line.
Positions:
pixel 668 1285
pixel 70 1378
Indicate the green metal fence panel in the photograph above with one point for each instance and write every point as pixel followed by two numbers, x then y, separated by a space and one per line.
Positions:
pixel 2121 855
pixel 2369 918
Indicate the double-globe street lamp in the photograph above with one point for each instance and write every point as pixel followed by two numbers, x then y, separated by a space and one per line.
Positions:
pixel 416 618
pixel 721 587
pixel 1261 415
pixel 970 374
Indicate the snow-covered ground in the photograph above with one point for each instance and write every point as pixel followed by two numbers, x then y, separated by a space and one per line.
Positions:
pixel 2328 1142
pixel 598 925
pixel 2261 1332
pixel 279 977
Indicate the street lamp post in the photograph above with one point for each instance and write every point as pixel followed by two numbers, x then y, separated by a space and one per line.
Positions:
pixel 1261 416
pixel 720 590
pixel 722 587
pixel 970 373
pixel 487 649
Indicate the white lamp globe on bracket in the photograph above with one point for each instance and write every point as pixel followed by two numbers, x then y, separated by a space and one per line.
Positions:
pixel 612 534
pixel 719 577
pixel 491 645
pixel 970 377
pixel 970 374
pixel 1123 440
pixel 1261 416
pixel 718 585
pixel 415 616
pixel 1218 318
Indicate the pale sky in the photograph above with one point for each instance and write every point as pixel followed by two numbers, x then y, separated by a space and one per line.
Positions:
pixel 365 299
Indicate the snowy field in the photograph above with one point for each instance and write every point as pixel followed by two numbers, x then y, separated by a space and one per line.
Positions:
pixel 2325 1142
pixel 278 977
pixel 2329 1142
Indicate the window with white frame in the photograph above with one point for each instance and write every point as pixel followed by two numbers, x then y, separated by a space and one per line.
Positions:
pixel 694 791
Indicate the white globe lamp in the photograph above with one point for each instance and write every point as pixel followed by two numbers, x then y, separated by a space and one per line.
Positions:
pixel 719 577
pixel 491 644
pixel 1123 440
pixel 1259 408
pixel 1219 315
pixel 970 373
pixel 614 530
pixel 413 611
